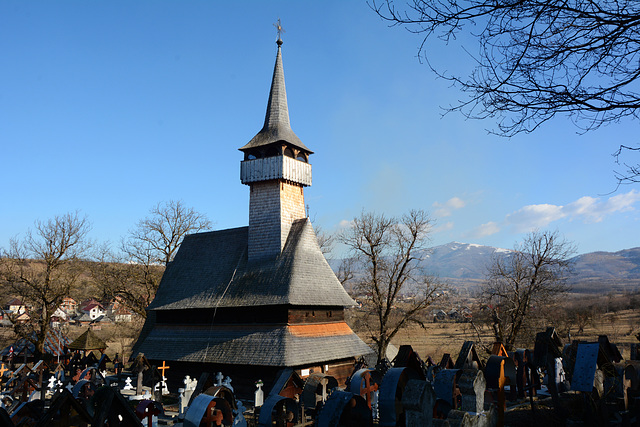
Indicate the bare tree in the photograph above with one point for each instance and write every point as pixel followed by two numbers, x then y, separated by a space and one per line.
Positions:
pixel 42 268
pixel 134 273
pixel 532 276
pixel 536 59
pixel 158 236
pixel 127 276
pixel 324 238
pixel 387 254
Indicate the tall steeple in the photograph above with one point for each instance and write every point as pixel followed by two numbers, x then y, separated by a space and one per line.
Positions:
pixel 266 291
pixel 276 167
pixel 277 127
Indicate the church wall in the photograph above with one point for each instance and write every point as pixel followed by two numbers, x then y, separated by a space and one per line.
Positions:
pixel 315 315
pixel 246 315
pixel 264 220
pixel 273 206
pixel 291 206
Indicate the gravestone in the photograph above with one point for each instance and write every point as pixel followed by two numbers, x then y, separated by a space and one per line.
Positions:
pixel 258 394
pixel 148 410
pixel 316 390
pixel 366 382
pixel 408 358
pixel 390 396
pixel 446 387
pixel 239 420
pixel 524 373
pixel 227 383
pixel 127 384
pixel 281 410
pixel 182 402
pixel 458 418
pixel 499 372
pixel 446 362
pixel 186 393
pixel 468 357
pixel 343 409
pixel 621 384
pixel 585 367
pixel 472 385
pixel 64 410
pixel 546 353
pixel 109 407
pixel 139 367
pixel 190 385
pixel 418 400
pixel 499 350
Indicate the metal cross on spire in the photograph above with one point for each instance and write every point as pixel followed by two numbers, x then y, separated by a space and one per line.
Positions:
pixel 278 26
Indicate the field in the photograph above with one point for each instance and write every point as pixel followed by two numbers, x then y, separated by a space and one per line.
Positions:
pixel 440 338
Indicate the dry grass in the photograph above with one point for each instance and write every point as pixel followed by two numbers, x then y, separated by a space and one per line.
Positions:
pixel 440 338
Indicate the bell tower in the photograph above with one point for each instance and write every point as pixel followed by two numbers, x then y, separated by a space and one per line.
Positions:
pixel 276 168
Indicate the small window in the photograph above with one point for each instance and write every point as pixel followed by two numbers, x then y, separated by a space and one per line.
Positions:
pixel 289 153
pixel 302 157
pixel 251 157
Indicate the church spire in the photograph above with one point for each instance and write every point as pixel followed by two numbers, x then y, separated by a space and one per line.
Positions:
pixel 276 123
pixel 276 167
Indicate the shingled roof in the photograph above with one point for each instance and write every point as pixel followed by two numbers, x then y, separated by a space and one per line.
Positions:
pixel 211 270
pixel 266 345
pixel 88 341
pixel 276 123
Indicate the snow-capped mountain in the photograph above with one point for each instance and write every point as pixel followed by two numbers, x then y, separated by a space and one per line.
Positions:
pixel 457 260
pixel 465 265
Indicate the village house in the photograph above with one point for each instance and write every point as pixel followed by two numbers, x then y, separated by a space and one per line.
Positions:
pixel 439 316
pixel 58 318
pixel 5 319
pixel 69 306
pixel 117 311
pixel 93 309
pixel 22 318
pixel 15 306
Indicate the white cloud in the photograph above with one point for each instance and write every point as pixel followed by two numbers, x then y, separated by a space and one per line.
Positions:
pixel 534 216
pixel 345 223
pixel 588 209
pixel 444 227
pixel 486 229
pixel 445 209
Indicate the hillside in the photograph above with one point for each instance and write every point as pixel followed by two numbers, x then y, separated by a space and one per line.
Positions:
pixel 464 265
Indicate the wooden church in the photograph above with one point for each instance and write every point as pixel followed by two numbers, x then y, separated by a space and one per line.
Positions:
pixel 253 300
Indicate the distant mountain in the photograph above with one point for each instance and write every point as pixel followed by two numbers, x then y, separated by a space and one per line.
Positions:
pixel 607 271
pixel 461 261
pixel 465 265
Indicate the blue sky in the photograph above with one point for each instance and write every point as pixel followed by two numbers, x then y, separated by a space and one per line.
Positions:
pixel 112 107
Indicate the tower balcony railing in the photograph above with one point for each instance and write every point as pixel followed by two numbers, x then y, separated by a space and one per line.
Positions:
pixel 277 167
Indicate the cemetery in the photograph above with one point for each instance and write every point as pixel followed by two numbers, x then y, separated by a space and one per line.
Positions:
pixel 577 383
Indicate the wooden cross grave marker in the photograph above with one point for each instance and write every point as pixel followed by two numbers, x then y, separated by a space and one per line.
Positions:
pixel 212 416
pixel 366 388
pixel 163 368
